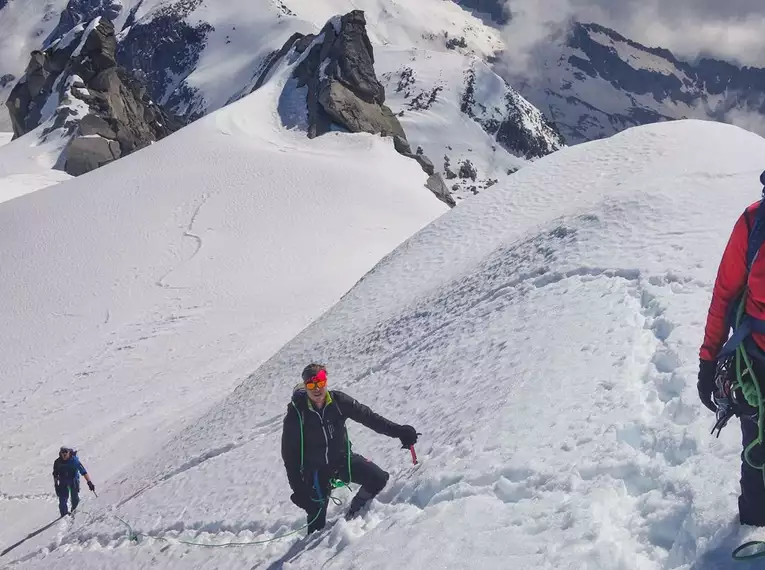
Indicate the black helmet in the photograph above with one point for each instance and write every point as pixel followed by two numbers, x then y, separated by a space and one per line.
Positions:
pixel 762 178
pixel 312 370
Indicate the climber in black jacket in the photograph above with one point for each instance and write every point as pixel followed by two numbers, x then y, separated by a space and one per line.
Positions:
pixel 316 448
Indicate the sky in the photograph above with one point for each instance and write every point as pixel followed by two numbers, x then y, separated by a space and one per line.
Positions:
pixel 731 30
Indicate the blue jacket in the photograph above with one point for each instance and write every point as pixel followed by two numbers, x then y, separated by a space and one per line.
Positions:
pixel 68 472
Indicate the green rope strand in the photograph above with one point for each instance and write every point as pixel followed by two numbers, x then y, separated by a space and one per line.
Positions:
pixel 750 388
pixel 336 483
pixel 133 536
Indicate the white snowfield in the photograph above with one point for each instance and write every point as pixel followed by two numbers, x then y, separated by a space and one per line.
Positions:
pixel 26 164
pixel 136 296
pixel 542 336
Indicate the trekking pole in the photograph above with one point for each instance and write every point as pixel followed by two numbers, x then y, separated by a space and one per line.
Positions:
pixel 414 454
pixel 96 494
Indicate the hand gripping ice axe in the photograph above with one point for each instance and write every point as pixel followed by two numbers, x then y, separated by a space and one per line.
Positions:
pixel 412 451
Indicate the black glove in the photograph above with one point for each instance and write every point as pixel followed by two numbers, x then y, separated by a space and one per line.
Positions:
pixel 408 436
pixel 706 384
pixel 302 501
pixel 91 486
pixel 58 488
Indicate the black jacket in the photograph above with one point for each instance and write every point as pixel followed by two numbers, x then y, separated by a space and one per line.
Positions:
pixel 68 472
pixel 325 446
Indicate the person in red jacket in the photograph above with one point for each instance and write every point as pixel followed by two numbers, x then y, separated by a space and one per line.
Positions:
pixel 732 279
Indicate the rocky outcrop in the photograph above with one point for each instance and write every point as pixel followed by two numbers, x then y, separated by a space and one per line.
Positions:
pixel 78 11
pixel 437 185
pixel 165 47
pixel 342 85
pixel 75 89
pixel 337 70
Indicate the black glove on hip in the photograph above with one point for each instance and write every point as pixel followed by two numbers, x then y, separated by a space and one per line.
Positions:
pixel 706 384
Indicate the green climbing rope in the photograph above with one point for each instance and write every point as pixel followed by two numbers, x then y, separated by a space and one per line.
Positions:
pixel 336 483
pixel 750 388
pixel 302 452
pixel 133 536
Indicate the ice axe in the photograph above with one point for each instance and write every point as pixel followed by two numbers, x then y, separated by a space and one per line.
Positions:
pixel 414 454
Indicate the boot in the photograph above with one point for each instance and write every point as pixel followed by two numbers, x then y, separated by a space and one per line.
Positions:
pixel 358 503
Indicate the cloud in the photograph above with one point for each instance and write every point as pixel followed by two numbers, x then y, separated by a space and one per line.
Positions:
pixel 749 120
pixel 729 29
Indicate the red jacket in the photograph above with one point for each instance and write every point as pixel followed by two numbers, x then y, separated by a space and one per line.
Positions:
pixel 731 279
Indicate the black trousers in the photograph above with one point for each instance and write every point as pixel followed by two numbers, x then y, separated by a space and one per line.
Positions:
pixel 63 491
pixel 363 472
pixel 751 501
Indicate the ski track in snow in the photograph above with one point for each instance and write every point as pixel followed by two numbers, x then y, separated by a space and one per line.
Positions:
pixel 198 245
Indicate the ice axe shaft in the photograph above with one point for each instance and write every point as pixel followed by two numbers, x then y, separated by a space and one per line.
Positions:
pixel 414 454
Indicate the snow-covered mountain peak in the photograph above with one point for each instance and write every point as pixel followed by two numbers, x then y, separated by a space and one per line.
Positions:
pixel 595 82
pixel 197 56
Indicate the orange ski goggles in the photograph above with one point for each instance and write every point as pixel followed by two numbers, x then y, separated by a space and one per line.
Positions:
pixel 318 381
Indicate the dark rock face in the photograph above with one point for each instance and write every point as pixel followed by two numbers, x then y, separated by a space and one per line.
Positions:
pixel 403 147
pixel 495 9
pixel 437 185
pixel 76 86
pixel 512 131
pixel 167 68
pixel 342 85
pixel 337 70
pixel 78 11
pixel 86 154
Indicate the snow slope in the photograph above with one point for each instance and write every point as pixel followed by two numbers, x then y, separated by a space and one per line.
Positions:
pixel 27 164
pixel 543 337
pixel 232 235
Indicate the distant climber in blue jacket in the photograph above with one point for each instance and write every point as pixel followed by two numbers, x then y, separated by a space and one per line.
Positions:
pixel 66 478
